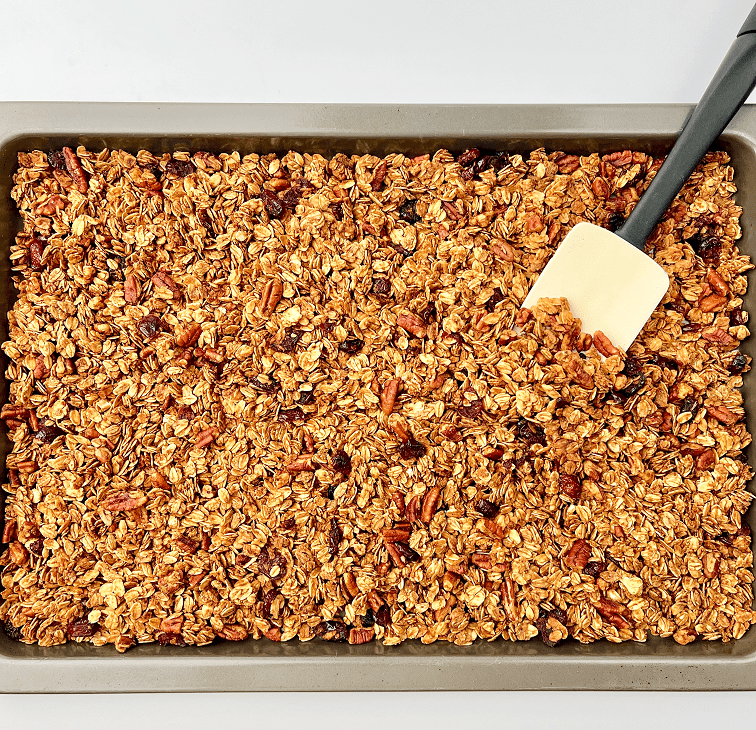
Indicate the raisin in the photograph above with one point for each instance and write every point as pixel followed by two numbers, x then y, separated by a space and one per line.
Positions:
pixel 472 410
pixel 738 317
pixel 338 211
pixel 332 491
pixel 291 415
pixel 175 639
pixel 725 537
pixel 351 345
pixel 630 390
pixel 150 326
pixel 36 249
pixel 428 314
pixel 13 632
pixel 332 630
pixel 273 206
pixel 543 630
pixel 633 367
pixel 496 297
pixel 269 560
pixel 179 168
pixel 569 486
pixel 558 614
pixel 594 568
pixel 689 405
pixel 290 340
pixel 615 222
pixel 293 195
pixel 406 552
pixel 408 212
pixel 412 449
pixel 155 170
pixel 383 616
pixel 561 403
pixel 81 628
pixel 467 173
pixel 47 433
pixel 342 462
pixel 738 364
pixel 530 433
pixel 709 249
pixel 368 620
pixel 270 596
pixel 468 157
pixel 381 287
pixel 56 159
pixel 486 508
pixel 691 327
pixel 334 537
pixel 664 362
pixel 269 386
pixel 35 546
pixel 306 397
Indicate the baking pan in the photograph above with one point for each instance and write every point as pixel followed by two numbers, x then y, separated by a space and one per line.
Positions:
pixel 264 665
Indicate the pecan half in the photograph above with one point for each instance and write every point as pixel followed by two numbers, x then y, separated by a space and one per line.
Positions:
pixel 413 324
pixel 206 437
pixel 379 175
pixel 430 504
pixel 567 163
pixel 162 279
pixel 397 533
pixel 172 625
pixel 713 303
pixel 618 159
pixel 235 632
pixel 189 335
pixel 717 283
pixel 710 565
pixel 604 345
pixel 718 336
pixel 600 188
pixel 75 170
pixel 413 509
pixel 300 464
pixel 578 555
pixel 361 636
pixel 271 295
pixel 613 612
pixel 502 250
pixel 723 415
pixel 706 459
pixel 131 289
pixel 124 501
pixel 389 394
pixel 186 544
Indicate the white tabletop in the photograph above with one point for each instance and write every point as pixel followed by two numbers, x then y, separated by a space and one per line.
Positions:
pixel 408 51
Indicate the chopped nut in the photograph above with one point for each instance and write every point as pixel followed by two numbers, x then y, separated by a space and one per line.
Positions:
pixel 271 295
pixel 388 395
pixel 604 345
pixel 578 555
pixel 412 324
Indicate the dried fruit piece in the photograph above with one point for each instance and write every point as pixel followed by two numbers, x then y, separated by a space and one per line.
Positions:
pixel 578 555
pixel 334 537
pixel 412 450
pixel 81 629
pixel 268 385
pixel 56 159
pixel 272 563
pixel 352 345
pixel 289 341
pixel 468 157
pixel 332 630
pixel 570 486
pixel 179 168
pixel 486 508
pixel 291 415
pixel 150 326
pixel 408 212
pixel 47 433
pixel 595 568
pixel 381 287
pixel 401 554
pixel 341 462
pixel 452 433
pixel 738 364
pixel 36 251
pixel 379 175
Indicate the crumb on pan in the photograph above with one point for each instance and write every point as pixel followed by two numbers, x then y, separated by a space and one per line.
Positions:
pixel 296 397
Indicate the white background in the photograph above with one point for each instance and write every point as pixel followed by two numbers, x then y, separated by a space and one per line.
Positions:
pixel 433 51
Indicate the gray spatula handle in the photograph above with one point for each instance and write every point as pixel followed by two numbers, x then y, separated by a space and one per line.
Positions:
pixel 728 90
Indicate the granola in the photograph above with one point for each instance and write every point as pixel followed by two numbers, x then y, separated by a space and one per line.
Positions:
pixel 293 396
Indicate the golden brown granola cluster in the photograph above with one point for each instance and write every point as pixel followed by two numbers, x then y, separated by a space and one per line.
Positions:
pixel 288 397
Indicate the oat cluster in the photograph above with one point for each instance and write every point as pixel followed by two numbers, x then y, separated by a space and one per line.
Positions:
pixel 296 397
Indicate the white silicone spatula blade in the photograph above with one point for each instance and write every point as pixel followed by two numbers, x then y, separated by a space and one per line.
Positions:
pixel 610 285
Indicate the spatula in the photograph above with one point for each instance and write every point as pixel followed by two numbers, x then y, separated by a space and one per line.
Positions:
pixel 610 283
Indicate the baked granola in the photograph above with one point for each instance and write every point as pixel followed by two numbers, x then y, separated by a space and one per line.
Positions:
pixel 293 396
